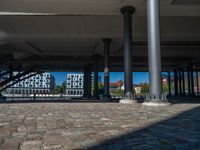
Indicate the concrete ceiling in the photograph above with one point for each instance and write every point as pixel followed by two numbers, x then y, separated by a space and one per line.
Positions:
pixel 34 31
pixel 97 7
pixel 185 2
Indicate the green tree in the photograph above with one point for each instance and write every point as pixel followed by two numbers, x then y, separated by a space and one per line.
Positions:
pixel 101 85
pixel 165 88
pixel 57 89
pixel 145 88
pixel 117 92
pixel 60 88
pixel 101 88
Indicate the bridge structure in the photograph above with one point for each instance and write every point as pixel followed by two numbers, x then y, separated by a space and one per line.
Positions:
pixel 103 35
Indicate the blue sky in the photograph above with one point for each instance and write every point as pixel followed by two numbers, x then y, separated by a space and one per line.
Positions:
pixel 138 77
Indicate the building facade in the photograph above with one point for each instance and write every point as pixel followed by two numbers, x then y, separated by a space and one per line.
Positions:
pixel 74 85
pixel 39 84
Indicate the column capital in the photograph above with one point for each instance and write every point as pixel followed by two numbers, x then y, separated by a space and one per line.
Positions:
pixel 129 9
pixel 106 40
pixel 96 55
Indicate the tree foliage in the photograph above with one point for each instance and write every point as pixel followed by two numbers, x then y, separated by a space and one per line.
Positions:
pixel 60 89
pixel 145 88
pixel 117 92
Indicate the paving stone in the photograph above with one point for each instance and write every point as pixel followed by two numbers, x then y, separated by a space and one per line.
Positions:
pixel 30 147
pixel 66 126
pixel 18 134
pixel 11 144
pixel 51 147
pixel 32 143
pixel 21 128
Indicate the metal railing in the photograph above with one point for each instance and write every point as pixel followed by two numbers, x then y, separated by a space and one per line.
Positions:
pixel 35 97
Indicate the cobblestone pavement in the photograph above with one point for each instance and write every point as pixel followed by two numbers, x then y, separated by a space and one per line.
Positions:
pixel 63 126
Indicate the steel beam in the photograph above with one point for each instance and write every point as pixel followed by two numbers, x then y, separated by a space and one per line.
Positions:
pixel 19 80
pixel 3 83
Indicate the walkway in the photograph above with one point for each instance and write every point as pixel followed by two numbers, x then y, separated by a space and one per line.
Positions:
pixel 65 126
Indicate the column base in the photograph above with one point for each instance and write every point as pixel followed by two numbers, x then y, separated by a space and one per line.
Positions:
pixel 128 99
pixel 86 97
pixel 106 98
pixel 95 97
pixel 156 103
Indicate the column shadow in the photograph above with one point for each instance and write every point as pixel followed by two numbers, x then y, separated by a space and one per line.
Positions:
pixel 181 132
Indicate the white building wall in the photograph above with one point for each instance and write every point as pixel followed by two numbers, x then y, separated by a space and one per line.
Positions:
pixel 74 85
pixel 40 83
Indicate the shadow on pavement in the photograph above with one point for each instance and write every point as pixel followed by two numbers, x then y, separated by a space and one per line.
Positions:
pixel 186 99
pixel 181 132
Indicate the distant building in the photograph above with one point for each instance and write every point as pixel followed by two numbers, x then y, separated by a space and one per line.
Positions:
pixel 119 85
pixel 74 85
pixel 138 89
pixel 39 84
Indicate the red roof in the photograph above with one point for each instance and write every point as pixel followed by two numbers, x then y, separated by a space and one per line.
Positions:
pixel 118 83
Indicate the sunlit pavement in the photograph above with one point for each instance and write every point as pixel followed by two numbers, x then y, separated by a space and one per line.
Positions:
pixel 56 126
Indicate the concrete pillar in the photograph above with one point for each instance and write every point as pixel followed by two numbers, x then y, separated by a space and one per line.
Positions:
pixel 188 77
pixel 154 54
pixel 183 79
pixel 127 12
pixel 96 77
pixel 169 83
pixel 175 83
pixel 180 81
pixel 106 42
